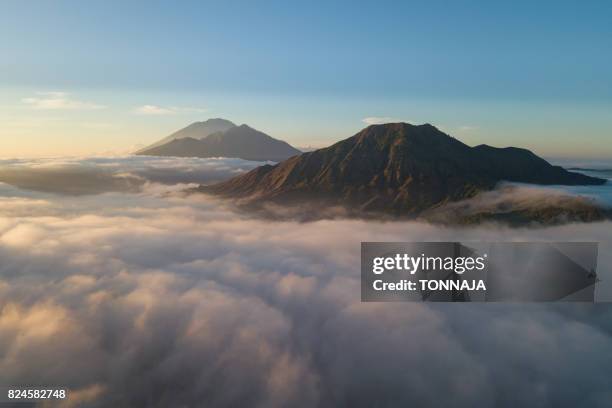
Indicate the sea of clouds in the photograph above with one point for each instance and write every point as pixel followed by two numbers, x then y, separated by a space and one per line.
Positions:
pixel 142 296
pixel 129 174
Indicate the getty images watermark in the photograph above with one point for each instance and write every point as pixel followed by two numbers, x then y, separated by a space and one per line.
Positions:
pixel 478 272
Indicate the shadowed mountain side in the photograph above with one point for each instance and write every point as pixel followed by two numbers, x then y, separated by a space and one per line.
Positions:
pixel 239 141
pixel 397 169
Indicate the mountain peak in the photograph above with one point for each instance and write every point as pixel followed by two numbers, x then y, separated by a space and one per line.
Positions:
pixel 403 128
pixel 196 130
pixel 213 123
pixel 216 121
pixel 422 138
pixel 221 138
pixel 397 125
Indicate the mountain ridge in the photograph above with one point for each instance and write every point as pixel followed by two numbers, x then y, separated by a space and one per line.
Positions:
pixel 195 130
pixel 395 168
pixel 201 139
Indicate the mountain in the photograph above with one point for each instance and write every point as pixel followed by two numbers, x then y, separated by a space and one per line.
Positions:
pixel 234 141
pixel 197 130
pixel 395 168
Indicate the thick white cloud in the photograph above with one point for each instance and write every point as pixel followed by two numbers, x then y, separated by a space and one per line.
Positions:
pixel 165 300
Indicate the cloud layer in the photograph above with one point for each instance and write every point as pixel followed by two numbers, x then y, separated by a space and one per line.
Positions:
pixel 164 300
pixel 79 176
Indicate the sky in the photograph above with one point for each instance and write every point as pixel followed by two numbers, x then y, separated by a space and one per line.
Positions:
pixel 81 78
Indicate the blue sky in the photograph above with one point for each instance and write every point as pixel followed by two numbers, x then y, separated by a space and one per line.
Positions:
pixel 85 77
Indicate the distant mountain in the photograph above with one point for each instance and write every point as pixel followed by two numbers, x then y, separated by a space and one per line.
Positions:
pixel 198 140
pixel 397 169
pixel 197 130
